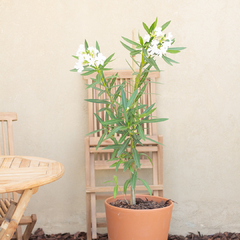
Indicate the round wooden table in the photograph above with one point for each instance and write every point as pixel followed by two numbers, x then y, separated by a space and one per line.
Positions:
pixel 24 175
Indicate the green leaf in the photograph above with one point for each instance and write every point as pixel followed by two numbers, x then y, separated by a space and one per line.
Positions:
pixel 175 50
pixel 75 57
pixel 101 140
pixel 132 42
pixel 146 185
pixel 153 120
pixel 124 99
pixel 88 73
pixel 114 130
pixel 153 26
pixel 125 115
pixel 141 40
pixel 146 28
pixel 98 118
pixel 140 130
pixel 141 92
pixel 153 141
pixel 113 121
pixel 91 85
pixel 122 138
pixel 73 70
pixel 97 46
pixel 118 164
pixel 149 108
pixel 86 45
pixel 152 62
pixel 147 113
pixel 97 101
pixel 136 157
pixel 127 47
pixel 123 147
pixel 115 179
pixel 95 131
pixel 133 180
pixel 126 186
pixel 165 25
pixel 171 60
pixel 115 191
pixel 135 52
pixel 109 181
pixel 127 164
pixel 147 157
pixel 132 98
pixel 115 146
pixel 108 60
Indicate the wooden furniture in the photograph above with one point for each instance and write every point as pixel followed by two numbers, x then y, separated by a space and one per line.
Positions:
pixel 7 148
pixel 23 175
pixel 96 160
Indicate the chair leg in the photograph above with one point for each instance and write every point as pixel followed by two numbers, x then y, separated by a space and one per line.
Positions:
pixel 88 217
pixel 19 233
pixel 30 227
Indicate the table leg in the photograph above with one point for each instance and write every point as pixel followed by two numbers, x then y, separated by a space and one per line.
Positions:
pixel 9 226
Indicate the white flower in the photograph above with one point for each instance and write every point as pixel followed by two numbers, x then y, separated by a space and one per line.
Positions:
pixel 99 60
pixel 79 66
pixel 146 38
pixel 170 36
pixel 91 61
pixel 80 50
pixel 158 31
pixel 154 50
pixel 93 50
pixel 154 42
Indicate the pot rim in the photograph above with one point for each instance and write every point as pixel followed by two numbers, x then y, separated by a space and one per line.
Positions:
pixel 134 210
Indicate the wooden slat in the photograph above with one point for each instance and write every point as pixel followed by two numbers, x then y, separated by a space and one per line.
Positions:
pixel 139 149
pixel 110 189
pixel 102 225
pixel 94 141
pixel 4 139
pixel 101 215
pixel 25 163
pixel 16 162
pixel 43 164
pixel 155 172
pixel 10 137
pixel 7 162
pixel 103 196
pixel 122 74
pixel 3 206
pixel 160 163
pixel 101 165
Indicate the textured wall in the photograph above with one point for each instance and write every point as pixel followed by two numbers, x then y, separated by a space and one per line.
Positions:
pixel 200 96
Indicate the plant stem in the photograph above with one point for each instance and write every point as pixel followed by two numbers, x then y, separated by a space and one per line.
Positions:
pixel 133 198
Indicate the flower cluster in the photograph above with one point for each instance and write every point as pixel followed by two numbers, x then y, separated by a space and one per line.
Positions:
pixel 90 57
pixel 159 43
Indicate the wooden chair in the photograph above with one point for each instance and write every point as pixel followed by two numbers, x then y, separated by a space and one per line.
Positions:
pixel 7 148
pixel 96 160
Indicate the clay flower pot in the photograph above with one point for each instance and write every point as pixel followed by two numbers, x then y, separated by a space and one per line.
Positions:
pixel 130 224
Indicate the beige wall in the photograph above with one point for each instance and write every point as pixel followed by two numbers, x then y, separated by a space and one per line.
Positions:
pixel 200 96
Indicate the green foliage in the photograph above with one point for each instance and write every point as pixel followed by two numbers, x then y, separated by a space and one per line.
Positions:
pixel 124 116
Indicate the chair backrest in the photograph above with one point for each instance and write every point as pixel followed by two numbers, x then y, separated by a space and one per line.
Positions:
pixel 6 136
pixel 124 76
pixel 6 148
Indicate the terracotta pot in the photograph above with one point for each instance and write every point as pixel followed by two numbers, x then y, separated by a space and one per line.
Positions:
pixel 129 224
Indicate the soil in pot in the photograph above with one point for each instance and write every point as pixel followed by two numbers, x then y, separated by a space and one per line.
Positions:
pixel 141 204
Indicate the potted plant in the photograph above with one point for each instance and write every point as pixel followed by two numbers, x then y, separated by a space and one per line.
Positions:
pixel 126 118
